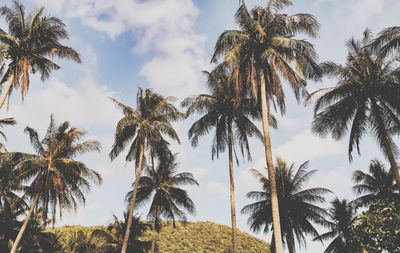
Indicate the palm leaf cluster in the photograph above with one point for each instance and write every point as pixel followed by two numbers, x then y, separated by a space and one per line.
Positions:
pixel 29 45
pixel 364 100
pixel 51 181
pixel 161 185
pixel 299 207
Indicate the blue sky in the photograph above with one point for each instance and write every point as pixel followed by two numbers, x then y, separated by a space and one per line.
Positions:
pixel 165 45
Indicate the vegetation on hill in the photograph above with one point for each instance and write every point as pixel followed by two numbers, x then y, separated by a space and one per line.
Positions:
pixel 192 237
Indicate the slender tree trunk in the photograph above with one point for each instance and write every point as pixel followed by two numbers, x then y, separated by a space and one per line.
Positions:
pixel 153 241
pixel 6 90
pixel 23 228
pixel 232 187
pixel 270 165
pixel 155 231
pixel 133 200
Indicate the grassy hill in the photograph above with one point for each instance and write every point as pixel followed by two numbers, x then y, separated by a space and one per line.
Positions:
pixel 193 237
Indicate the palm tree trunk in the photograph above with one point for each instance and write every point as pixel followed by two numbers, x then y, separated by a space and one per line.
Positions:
pixel 153 241
pixel 270 166
pixel 23 228
pixel 133 200
pixel 232 187
pixel 155 231
pixel 6 90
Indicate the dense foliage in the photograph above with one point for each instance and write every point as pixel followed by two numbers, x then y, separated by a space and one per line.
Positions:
pixel 378 229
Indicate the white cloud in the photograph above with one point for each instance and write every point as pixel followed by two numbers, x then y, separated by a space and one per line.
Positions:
pixel 307 146
pixel 337 180
pixel 200 173
pixel 361 10
pixel 165 29
pixel 218 190
pixel 77 105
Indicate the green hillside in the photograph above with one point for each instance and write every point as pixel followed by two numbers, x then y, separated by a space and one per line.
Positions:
pixel 193 237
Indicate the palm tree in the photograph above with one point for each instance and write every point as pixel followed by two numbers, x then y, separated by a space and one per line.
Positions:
pixel 230 119
pixel 31 42
pixel 57 180
pixel 80 242
pixel 342 215
pixel 145 128
pixel 162 186
pixel 113 236
pixel 377 184
pixel 299 206
pixel 262 53
pixel 365 99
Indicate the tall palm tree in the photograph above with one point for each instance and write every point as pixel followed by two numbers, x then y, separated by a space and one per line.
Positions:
pixel 377 184
pixel 161 185
pixel 143 129
pixel 365 99
pixel 231 120
pixel 29 45
pixel 263 53
pixel 299 209
pixel 342 215
pixel 113 236
pixel 57 180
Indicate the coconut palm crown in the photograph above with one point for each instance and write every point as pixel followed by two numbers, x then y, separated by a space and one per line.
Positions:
pixel 29 46
pixel 299 211
pixel 365 100
pixel 57 182
pixel 376 184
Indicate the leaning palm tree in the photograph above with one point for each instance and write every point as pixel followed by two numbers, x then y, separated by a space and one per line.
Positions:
pixel 377 184
pixel 263 53
pixel 342 215
pixel 57 180
pixel 365 100
pixel 28 47
pixel 161 185
pixel 143 129
pixel 299 208
pixel 231 120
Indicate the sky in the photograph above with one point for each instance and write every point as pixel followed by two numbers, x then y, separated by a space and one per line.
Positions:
pixel 164 45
